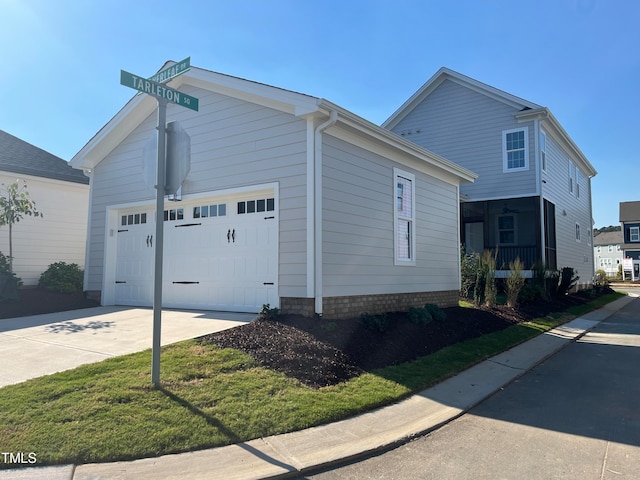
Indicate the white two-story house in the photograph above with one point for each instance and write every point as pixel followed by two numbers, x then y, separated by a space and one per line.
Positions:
pixel 532 198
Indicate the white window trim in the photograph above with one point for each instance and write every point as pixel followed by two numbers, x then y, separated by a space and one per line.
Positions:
pixel 410 262
pixel 637 234
pixel 571 170
pixel 505 160
pixel 543 150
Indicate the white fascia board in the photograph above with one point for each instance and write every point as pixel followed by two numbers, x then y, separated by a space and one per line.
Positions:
pixel 273 97
pixel 114 132
pixel 559 133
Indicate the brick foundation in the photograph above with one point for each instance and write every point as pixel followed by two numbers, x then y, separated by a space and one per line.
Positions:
pixel 355 305
pixel 93 295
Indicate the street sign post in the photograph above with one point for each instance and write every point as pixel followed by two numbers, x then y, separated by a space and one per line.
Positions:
pixel 163 95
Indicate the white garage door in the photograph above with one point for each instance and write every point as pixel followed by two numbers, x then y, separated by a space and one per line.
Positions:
pixel 219 254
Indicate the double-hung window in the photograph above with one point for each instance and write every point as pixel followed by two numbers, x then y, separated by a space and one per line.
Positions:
pixel 507 229
pixel 515 150
pixel 578 239
pixel 404 217
pixel 634 234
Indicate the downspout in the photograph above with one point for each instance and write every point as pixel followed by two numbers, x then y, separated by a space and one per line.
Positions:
pixel 87 247
pixel 317 213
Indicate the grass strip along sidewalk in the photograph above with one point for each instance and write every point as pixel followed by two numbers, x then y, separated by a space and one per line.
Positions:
pixel 210 397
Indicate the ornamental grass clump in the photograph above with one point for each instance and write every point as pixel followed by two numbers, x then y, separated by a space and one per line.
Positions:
pixel 515 282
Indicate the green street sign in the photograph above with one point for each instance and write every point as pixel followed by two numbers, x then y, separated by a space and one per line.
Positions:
pixel 158 90
pixel 172 71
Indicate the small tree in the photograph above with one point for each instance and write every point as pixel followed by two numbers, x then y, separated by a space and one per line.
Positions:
pixel 14 205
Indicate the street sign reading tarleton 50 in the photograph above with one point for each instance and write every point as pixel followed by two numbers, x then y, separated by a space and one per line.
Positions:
pixel 159 90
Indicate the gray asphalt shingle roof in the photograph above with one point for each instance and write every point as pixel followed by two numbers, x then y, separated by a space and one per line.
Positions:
pixel 18 156
pixel 630 211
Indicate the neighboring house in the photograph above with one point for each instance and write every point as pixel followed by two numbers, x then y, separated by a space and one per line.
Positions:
pixel 532 198
pixel 291 201
pixel 630 220
pixel 607 250
pixel 61 194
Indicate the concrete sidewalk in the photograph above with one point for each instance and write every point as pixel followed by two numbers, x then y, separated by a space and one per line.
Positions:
pixel 297 452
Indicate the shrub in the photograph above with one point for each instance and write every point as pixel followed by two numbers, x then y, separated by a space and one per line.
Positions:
pixel 568 280
pixel 530 293
pixel 62 277
pixel 546 279
pixel 600 279
pixel 419 316
pixel 436 312
pixel 377 323
pixel 515 282
pixel 5 267
pixel 4 263
pixel 268 313
pixel 468 272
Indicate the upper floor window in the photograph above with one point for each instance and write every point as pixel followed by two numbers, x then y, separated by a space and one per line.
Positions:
pixel 634 234
pixel 404 217
pixel 543 150
pixel 571 174
pixel 577 232
pixel 598 249
pixel 515 150
pixel 610 248
pixel 574 179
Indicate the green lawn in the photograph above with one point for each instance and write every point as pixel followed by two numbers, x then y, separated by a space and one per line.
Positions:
pixel 210 397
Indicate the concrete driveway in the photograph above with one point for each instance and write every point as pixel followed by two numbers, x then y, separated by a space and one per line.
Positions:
pixel 43 344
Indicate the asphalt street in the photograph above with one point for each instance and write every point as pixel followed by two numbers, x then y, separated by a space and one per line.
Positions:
pixel 575 416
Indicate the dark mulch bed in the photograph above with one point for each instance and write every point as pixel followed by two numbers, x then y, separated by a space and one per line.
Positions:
pixel 34 301
pixel 319 353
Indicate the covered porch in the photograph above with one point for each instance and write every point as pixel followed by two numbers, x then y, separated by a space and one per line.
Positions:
pixel 514 228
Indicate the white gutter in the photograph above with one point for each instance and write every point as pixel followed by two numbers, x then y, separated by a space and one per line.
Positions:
pixel 317 211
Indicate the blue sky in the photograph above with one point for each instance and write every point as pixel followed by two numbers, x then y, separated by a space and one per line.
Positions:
pixel 61 62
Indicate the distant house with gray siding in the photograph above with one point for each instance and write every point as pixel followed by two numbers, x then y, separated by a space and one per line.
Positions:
pixel 61 194
pixel 532 198
pixel 291 200
pixel 607 251
pixel 630 221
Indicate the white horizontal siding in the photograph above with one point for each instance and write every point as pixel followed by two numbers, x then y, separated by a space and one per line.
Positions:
pixel 358 243
pixel 570 209
pixel 58 236
pixel 466 127
pixel 233 144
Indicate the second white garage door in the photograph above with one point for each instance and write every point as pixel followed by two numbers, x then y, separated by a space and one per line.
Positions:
pixel 219 254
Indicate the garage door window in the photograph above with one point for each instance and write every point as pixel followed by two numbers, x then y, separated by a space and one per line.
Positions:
pixel 206 211
pixel 173 214
pixel 134 219
pixel 254 206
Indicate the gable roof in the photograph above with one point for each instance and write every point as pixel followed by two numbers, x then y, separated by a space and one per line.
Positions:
pixel 630 211
pixel 526 110
pixel 608 238
pixel 301 105
pixel 18 156
pixel 447 74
